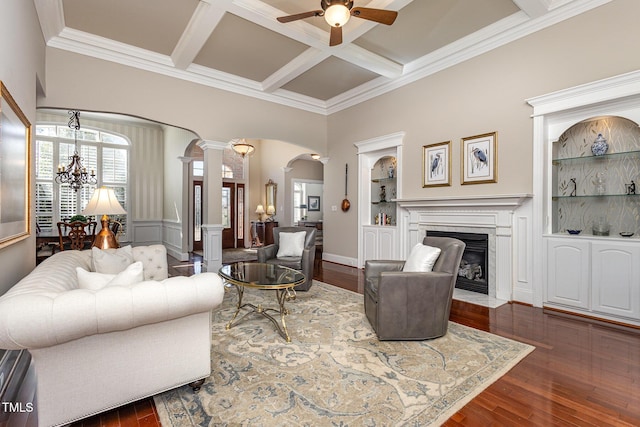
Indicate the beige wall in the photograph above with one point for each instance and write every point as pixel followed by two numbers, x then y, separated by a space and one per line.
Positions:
pixel 21 70
pixel 481 95
pixel 87 83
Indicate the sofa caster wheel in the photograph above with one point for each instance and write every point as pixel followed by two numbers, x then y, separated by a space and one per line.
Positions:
pixel 195 386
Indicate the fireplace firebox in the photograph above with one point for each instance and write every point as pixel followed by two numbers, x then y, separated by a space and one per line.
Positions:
pixel 473 273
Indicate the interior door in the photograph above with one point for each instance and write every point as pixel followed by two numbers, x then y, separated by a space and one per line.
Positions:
pixel 197 215
pixel 228 215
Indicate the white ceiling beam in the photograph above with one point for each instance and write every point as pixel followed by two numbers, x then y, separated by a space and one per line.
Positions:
pixel 202 23
pixel 533 8
pixel 265 15
pixel 302 63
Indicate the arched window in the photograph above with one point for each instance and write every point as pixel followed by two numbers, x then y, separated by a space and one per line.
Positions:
pixel 106 153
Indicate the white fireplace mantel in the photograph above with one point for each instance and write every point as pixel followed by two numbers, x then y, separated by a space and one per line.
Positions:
pixel 495 214
pixel 500 201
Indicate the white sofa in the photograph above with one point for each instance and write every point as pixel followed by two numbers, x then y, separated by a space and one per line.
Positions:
pixel 96 350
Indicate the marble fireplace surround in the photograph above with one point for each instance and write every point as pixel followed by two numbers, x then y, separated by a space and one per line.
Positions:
pixel 491 215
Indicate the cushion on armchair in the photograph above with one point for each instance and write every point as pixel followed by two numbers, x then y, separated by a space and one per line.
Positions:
pixel 291 244
pixel 422 258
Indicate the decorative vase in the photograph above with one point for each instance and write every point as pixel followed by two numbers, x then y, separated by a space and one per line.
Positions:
pixel 383 194
pixel 599 146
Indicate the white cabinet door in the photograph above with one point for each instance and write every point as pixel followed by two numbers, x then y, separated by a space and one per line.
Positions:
pixel 370 242
pixel 616 278
pixel 568 272
pixel 386 243
pixel 379 242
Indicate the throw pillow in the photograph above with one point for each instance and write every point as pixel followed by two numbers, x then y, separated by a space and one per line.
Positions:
pixel 95 281
pixel 111 261
pixel 291 244
pixel 421 258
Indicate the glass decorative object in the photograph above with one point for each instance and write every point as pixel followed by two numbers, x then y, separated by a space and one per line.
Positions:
pixel 599 146
pixel 601 183
pixel 600 227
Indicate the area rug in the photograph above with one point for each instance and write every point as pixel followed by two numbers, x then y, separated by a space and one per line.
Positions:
pixel 335 371
pixel 236 255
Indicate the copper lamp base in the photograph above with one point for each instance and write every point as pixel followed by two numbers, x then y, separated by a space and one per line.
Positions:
pixel 105 239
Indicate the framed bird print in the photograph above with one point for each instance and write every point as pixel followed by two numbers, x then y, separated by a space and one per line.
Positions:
pixel 436 164
pixel 480 159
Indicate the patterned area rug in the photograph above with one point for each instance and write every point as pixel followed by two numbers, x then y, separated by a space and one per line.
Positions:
pixel 335 371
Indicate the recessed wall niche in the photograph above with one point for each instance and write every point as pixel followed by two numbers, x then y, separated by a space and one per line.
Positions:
pixel 594 193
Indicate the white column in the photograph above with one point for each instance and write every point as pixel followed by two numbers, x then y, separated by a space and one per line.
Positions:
pixel 212 200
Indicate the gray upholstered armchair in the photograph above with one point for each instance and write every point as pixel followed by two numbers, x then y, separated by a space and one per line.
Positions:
pixel 409 305
pixel 304 263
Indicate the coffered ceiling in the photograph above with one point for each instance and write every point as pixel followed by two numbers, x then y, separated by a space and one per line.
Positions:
pixel 239 46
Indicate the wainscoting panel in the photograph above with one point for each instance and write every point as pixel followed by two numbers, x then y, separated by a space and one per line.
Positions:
pixel 147 232
pixel 172 240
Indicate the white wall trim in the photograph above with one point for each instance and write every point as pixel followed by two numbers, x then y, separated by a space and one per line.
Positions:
pixel 339 259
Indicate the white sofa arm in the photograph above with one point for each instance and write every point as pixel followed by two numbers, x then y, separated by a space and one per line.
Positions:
pixel 43 320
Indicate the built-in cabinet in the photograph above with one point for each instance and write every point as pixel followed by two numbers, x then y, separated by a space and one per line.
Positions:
pixel 379 242
pixel 587 156
pixel 601 277
pixel 379 187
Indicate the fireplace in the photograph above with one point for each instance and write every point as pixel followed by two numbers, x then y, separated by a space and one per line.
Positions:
pixel 474 267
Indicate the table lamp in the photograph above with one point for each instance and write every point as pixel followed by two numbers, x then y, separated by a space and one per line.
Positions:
pixel 271 211
pixel 104 201
pixel 260 212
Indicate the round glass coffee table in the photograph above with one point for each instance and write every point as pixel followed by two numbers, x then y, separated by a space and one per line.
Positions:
pixel 263 276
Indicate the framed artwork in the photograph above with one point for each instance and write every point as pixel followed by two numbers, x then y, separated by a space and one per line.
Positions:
pixel 436 164
pixel 313 202
pixel 480 159
pixel 15 137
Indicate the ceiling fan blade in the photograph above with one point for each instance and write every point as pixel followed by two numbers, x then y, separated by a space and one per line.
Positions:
pixel 289 18
pixel 386 17
pixel 336 36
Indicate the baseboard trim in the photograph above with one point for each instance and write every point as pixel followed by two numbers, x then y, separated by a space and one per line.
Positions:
pixel 339 259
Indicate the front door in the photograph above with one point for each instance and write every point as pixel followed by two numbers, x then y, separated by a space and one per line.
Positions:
pixel 197 215
pixel 228 215
pixel 233 215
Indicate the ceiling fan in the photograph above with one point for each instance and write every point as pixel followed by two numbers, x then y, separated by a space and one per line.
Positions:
pixel 338 12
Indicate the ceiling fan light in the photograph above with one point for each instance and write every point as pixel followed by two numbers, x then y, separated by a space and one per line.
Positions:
pixel 337 15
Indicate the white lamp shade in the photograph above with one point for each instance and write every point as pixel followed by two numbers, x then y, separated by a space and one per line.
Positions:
pixel 337 15
pixel 260 209
pixel 104 202
pixel 271 210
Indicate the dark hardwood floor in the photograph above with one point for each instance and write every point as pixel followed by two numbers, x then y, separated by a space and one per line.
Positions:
pixel 581 373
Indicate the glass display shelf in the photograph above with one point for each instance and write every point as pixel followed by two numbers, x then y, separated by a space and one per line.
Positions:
pixel 610 156
pixel 388 202
pixel 383 180
pixel 591 196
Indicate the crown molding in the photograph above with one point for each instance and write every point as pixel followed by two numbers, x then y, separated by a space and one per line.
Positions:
pixel 500 33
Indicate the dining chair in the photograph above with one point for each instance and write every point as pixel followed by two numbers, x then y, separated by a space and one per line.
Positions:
pixel 76 235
